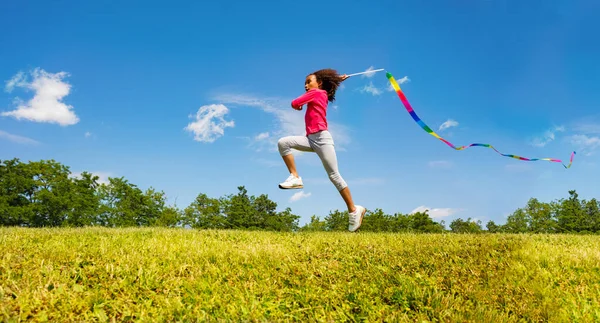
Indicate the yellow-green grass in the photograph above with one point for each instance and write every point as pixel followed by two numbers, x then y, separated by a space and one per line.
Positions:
pixel 158 274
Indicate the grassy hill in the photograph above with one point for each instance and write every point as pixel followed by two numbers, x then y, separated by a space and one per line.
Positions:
pixel 162 274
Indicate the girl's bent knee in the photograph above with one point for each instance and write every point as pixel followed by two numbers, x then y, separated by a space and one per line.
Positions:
pixel 283 147
pixel 338 181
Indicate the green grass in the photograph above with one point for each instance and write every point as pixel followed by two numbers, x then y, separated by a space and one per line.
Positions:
pixel 99 274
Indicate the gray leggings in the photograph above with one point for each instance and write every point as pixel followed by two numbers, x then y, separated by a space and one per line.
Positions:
pixel 321 143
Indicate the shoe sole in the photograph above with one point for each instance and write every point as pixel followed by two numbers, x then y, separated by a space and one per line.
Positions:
pixel 362 215
pixel 290 188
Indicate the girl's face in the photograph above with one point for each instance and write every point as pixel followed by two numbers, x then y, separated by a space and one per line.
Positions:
pixel 311 82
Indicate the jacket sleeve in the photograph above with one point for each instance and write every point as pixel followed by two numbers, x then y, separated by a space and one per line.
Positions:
pixel 304 99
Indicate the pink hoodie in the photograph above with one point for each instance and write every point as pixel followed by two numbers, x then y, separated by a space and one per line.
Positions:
pixel 316 112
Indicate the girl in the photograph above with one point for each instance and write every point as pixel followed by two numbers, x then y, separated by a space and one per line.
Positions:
pixel 320 88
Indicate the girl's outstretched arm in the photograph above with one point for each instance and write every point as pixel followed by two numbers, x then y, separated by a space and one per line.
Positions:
pixel 303 99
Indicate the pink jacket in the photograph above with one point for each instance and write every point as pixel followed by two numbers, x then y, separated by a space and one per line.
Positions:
pixel 316 112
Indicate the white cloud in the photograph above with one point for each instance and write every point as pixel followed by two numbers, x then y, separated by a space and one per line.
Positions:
pixel 369 74
pixel 18 139
pixel 449 123
pixel 88 134
pixel 262 136
pixel 370 88
pixel 209 123
pixel 435 213
pixel 547 137
pixel 102 176
pixel 46 105
pixel 299 195
pixel 399 81
pixel 288 122
pixel 17 80
pixel 440 164
pixel 591 128
pixel 259 141
pixel 585 144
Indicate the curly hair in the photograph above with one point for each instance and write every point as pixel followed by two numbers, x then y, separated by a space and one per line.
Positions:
pixel 330 81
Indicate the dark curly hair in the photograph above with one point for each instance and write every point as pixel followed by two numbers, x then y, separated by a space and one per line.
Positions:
pixel 330 81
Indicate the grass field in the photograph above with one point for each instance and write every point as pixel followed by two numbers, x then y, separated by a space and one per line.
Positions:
pixel 99 274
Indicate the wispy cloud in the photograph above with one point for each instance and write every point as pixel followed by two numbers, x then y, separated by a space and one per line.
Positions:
pixel 17 80
pixel 369 74
pixel 261 136
pixel 18 139
pixel 586 125
pixel 46 106
pixel 371 89
pixel 209 123
pixel 448 124
pixel 591 128
pixel 399 81
pixel 440 164
pixel 585 144
pixel 547 136
pixel 436 212
pixel 288 122
pixel 299 195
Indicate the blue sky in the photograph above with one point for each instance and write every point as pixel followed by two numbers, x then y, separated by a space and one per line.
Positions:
pixel 110 87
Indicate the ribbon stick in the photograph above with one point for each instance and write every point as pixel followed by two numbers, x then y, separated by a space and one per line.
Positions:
pixel 418 120
pixel 366 72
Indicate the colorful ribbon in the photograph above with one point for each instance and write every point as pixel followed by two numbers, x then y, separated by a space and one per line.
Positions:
pixel 426 128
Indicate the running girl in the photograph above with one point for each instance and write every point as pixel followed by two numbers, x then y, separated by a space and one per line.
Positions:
pixel 320 88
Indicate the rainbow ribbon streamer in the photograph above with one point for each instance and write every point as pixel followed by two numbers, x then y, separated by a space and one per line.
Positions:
pixel 426 128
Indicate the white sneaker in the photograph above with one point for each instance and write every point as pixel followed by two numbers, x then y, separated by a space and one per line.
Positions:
pixel 356 218
pixel 292 182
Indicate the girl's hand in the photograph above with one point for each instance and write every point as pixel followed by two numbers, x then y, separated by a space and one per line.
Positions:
pixel 344 77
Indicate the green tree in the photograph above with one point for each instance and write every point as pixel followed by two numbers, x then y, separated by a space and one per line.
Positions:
pixel 315 224
pixel 571 216
pixel 421 222
pixel 264 214
pixel 469 226
pixel 376 221
pixel 516 222
pixel 156 212
pixel 238 209
pixel 283 221
pixel 123 204
pixel 205 213
pixel 492 227
pixel 84 204
pixel 337 221
pixel 539 217
pixel 592 210
pixel 17 188
pixel 170 216
pixel 400 223
pixel 51 195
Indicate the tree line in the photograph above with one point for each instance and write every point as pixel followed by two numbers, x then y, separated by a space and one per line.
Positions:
pixel 46 194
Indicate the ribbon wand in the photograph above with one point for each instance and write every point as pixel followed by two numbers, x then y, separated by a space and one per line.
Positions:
pixel 366 72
